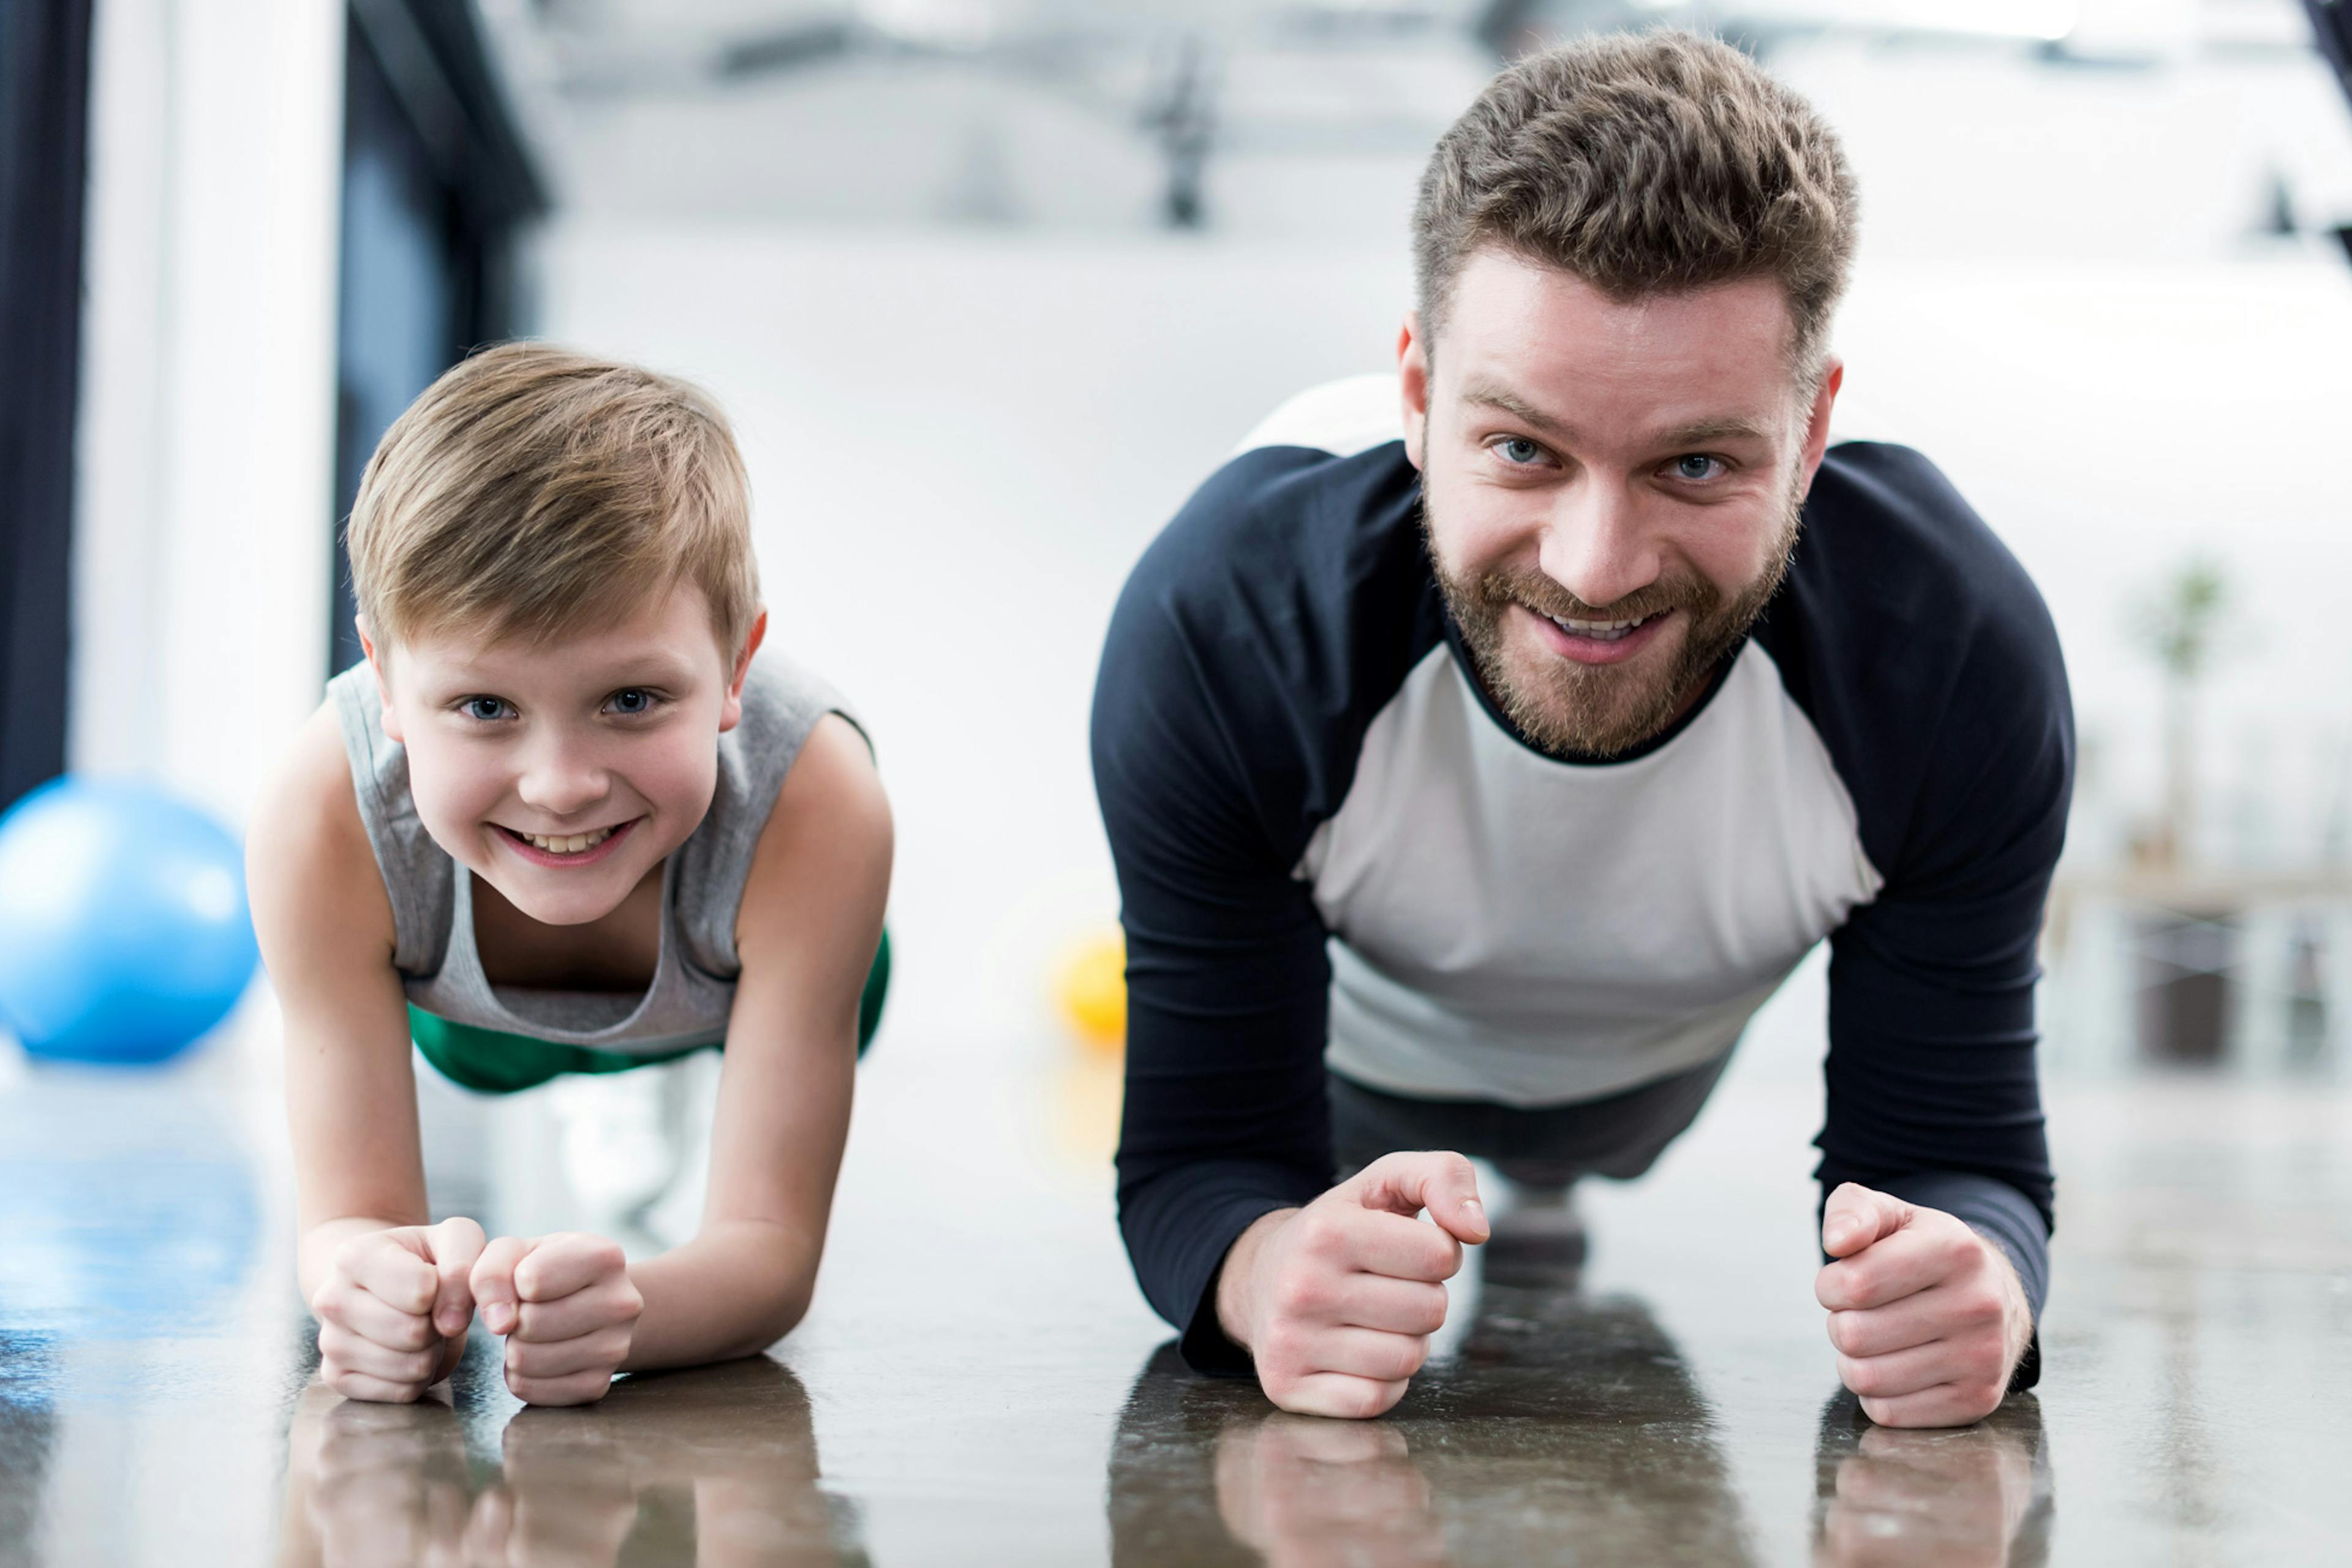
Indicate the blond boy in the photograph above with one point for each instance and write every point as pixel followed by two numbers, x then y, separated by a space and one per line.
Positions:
pixel 563 820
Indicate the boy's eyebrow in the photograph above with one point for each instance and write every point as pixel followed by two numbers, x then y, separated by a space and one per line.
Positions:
pixel 1698 433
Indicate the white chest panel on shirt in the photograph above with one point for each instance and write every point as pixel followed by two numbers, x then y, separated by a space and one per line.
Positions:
pixel 1509 927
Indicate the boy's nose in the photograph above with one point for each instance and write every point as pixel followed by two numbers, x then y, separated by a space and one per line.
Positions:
pixel 561 782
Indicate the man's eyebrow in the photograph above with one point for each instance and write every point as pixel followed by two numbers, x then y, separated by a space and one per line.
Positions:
pixel 1700 433
pixel 1512 403
pixel 1707 432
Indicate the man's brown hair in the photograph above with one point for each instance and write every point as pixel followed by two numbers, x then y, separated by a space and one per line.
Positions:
pixel 532 492
pixel 1643 163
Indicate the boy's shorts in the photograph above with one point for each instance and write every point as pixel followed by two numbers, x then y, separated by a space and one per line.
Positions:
pixel 491 1062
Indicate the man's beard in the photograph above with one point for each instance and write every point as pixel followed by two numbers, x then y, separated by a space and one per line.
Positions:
pixel 1605 710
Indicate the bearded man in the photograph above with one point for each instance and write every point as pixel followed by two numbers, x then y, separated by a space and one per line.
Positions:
pixel 1472 778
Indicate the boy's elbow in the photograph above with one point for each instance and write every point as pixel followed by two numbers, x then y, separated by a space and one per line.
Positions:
pixel 778 1318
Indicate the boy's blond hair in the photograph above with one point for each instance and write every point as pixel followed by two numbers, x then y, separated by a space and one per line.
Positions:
pixel 1645 164
pixel 532 492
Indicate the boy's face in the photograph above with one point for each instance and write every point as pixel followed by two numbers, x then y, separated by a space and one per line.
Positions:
pixel 562 773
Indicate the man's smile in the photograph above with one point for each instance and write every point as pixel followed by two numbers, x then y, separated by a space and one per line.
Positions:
pixel 1597 642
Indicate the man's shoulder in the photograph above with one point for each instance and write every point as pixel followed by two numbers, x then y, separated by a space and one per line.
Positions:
pixel 1894 574
pixel 1310 529
pixel 1278 611
pixel 1922 652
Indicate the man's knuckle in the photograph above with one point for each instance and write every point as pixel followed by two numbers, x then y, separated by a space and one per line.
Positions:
pixel 1300 1294
pixel 1320 1235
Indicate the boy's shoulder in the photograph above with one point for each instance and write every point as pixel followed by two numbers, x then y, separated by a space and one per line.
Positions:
pixel 307 854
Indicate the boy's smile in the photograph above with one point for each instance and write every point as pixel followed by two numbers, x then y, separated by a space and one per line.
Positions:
pixel 569 848
pixel 563 773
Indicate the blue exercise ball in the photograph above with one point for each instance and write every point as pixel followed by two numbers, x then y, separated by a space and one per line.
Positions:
pixel 124 931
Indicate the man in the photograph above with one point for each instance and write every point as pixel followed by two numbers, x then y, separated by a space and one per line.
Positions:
pixel 1471 784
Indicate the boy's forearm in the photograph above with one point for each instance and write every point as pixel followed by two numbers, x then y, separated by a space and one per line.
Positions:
pixel 733 1290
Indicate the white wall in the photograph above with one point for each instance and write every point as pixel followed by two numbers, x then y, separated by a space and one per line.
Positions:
pixel 207 440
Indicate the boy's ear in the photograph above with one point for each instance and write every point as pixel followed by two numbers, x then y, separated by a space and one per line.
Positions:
pixel 730 712
pixel 376 665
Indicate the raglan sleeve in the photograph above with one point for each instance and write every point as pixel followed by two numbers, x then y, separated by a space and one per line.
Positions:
pixel 1196 766
pixel 1932 1090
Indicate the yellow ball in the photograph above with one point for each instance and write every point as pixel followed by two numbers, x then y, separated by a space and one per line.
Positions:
pixel 1090 991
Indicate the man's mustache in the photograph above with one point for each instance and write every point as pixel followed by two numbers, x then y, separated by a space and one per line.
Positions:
pixel 1546 597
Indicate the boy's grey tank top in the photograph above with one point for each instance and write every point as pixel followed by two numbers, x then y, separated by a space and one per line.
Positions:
pixel 702 881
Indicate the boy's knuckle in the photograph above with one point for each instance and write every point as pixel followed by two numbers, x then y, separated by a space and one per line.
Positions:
pixel 1865 1378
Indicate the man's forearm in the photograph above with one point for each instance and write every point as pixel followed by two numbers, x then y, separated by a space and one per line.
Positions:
pixel 733 1290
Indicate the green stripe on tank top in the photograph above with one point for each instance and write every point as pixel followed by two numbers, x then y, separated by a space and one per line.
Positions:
pixel 490 1061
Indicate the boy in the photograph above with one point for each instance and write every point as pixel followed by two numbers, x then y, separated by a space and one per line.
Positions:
pixel 561 820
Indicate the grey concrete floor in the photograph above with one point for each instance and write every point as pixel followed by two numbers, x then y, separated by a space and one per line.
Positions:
pixel 979 1384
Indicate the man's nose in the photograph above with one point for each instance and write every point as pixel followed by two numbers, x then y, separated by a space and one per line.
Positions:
pixel 1593 544
pixel 562 777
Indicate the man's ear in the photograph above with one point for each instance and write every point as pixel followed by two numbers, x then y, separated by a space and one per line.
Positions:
pixel 1817 425
pixel 730 712
pixel 379 662
pixel 1412 386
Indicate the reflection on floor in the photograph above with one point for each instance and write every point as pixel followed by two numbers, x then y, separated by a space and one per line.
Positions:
pixel 981 1384
pixel 1568 1427
pixel 719 1458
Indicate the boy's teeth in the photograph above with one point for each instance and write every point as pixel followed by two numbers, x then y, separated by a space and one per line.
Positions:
pixel 572 844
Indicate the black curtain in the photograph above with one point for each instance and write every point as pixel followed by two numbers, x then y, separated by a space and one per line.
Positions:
pixel 2331 25
pixel 437 184
pixel 43 134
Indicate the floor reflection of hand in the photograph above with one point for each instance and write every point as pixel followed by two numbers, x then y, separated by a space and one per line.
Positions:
pixel 717 1465
pixel 1306 1491
pixel 378 1486
pixel 1951 1499
pixel 566 1498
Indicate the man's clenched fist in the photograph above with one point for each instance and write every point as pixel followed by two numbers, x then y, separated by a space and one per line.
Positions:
pixel 1337 1300
pixel 1929 1317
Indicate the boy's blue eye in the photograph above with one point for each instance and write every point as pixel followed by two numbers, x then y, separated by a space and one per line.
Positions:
pixel 485 709
pixel 634 699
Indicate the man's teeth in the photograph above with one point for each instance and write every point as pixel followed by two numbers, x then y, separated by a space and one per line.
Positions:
pixel 571 845
pixel 1598 631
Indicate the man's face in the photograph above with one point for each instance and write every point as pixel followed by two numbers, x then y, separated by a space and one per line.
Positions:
pixel 563 773
pixel 1611 490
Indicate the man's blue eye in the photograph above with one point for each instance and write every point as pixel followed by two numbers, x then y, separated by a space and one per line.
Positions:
pixel 1695 466
pixel 1519 450
pixel 485 709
